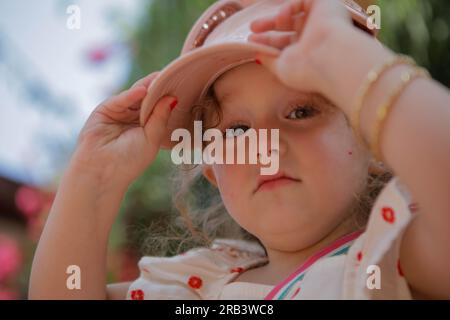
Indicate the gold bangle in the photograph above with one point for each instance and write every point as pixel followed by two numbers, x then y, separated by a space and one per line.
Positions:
pixel 371 79
pixel 383 111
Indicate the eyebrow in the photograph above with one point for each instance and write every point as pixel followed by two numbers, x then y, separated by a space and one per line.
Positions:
pixel 292 96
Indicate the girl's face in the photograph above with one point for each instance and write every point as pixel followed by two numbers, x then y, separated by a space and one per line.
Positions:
pixel 316 147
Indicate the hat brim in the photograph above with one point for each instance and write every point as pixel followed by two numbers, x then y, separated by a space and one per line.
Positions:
pixel 188 77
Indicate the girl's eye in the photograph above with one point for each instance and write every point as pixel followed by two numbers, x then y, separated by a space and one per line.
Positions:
pixel 235 131
pixel 301 112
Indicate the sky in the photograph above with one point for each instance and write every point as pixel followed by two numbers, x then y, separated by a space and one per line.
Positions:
pixel 48 83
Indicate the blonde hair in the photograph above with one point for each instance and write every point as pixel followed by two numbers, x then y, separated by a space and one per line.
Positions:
pixel 202 214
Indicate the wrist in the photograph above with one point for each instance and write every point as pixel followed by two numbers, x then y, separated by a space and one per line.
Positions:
pixel 96 174
pixel 92 181
pixel 84 203
pixel 344 62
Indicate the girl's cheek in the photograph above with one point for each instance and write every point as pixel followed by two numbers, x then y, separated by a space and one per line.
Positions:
pixel 230 178
pixel 319 160
pixel 312 148
pixel 224 178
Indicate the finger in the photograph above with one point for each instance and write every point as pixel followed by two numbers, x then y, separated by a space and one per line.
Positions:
pixel 156 125
pixel 284 19
pixel 117 108
pixel 263 24
pixel 291 9
pixel 146 81
pixel 277 41
pixel 299 22
pixel 121 102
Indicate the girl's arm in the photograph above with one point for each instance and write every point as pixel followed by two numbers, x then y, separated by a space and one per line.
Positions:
pixel 415 144
pixel 113 149
pixel 76 233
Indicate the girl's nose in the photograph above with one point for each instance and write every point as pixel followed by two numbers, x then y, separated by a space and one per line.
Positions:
pixel 282 146
pixel 274 147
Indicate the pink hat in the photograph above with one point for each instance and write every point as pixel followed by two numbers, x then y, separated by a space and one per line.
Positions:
pixel 216 43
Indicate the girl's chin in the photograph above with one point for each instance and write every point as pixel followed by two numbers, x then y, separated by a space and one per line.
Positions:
pixel 274 221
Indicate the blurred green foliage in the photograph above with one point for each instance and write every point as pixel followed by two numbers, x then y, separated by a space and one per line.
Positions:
pixel 161 32
pixel 419 28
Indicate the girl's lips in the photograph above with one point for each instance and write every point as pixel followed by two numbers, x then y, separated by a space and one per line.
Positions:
pixel 268 184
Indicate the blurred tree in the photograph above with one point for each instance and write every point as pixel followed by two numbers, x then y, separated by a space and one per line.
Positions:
pixel 161 33
pixel 420 28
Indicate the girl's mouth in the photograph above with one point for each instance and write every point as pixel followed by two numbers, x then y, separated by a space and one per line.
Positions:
pixel 270 182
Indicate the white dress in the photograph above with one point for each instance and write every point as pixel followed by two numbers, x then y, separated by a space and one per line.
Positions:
pixel 358 266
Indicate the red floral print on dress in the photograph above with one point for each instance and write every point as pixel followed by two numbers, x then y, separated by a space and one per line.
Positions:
pixel 195 282
pixel 388 214
pixel 137 294
pixel 359 256
pixel 237 269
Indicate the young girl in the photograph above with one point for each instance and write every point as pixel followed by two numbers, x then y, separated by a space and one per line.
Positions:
pixel 333 223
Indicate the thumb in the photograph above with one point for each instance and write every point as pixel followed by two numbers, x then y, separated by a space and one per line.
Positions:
pixel 156 125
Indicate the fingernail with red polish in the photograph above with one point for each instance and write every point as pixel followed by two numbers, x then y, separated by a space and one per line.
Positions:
pixel 173 104
pixel 257 61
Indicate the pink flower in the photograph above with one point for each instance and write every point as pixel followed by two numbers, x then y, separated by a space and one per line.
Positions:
pixel 6 294
pixel 99 54
pixel 29 201
pixel 10 257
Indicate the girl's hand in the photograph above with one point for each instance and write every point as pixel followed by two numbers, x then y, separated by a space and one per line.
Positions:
pixel 311 24
pixel 112 147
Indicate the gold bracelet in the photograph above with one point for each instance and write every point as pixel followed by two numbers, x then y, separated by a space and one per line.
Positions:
pixel 371 79
pixel 383 111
